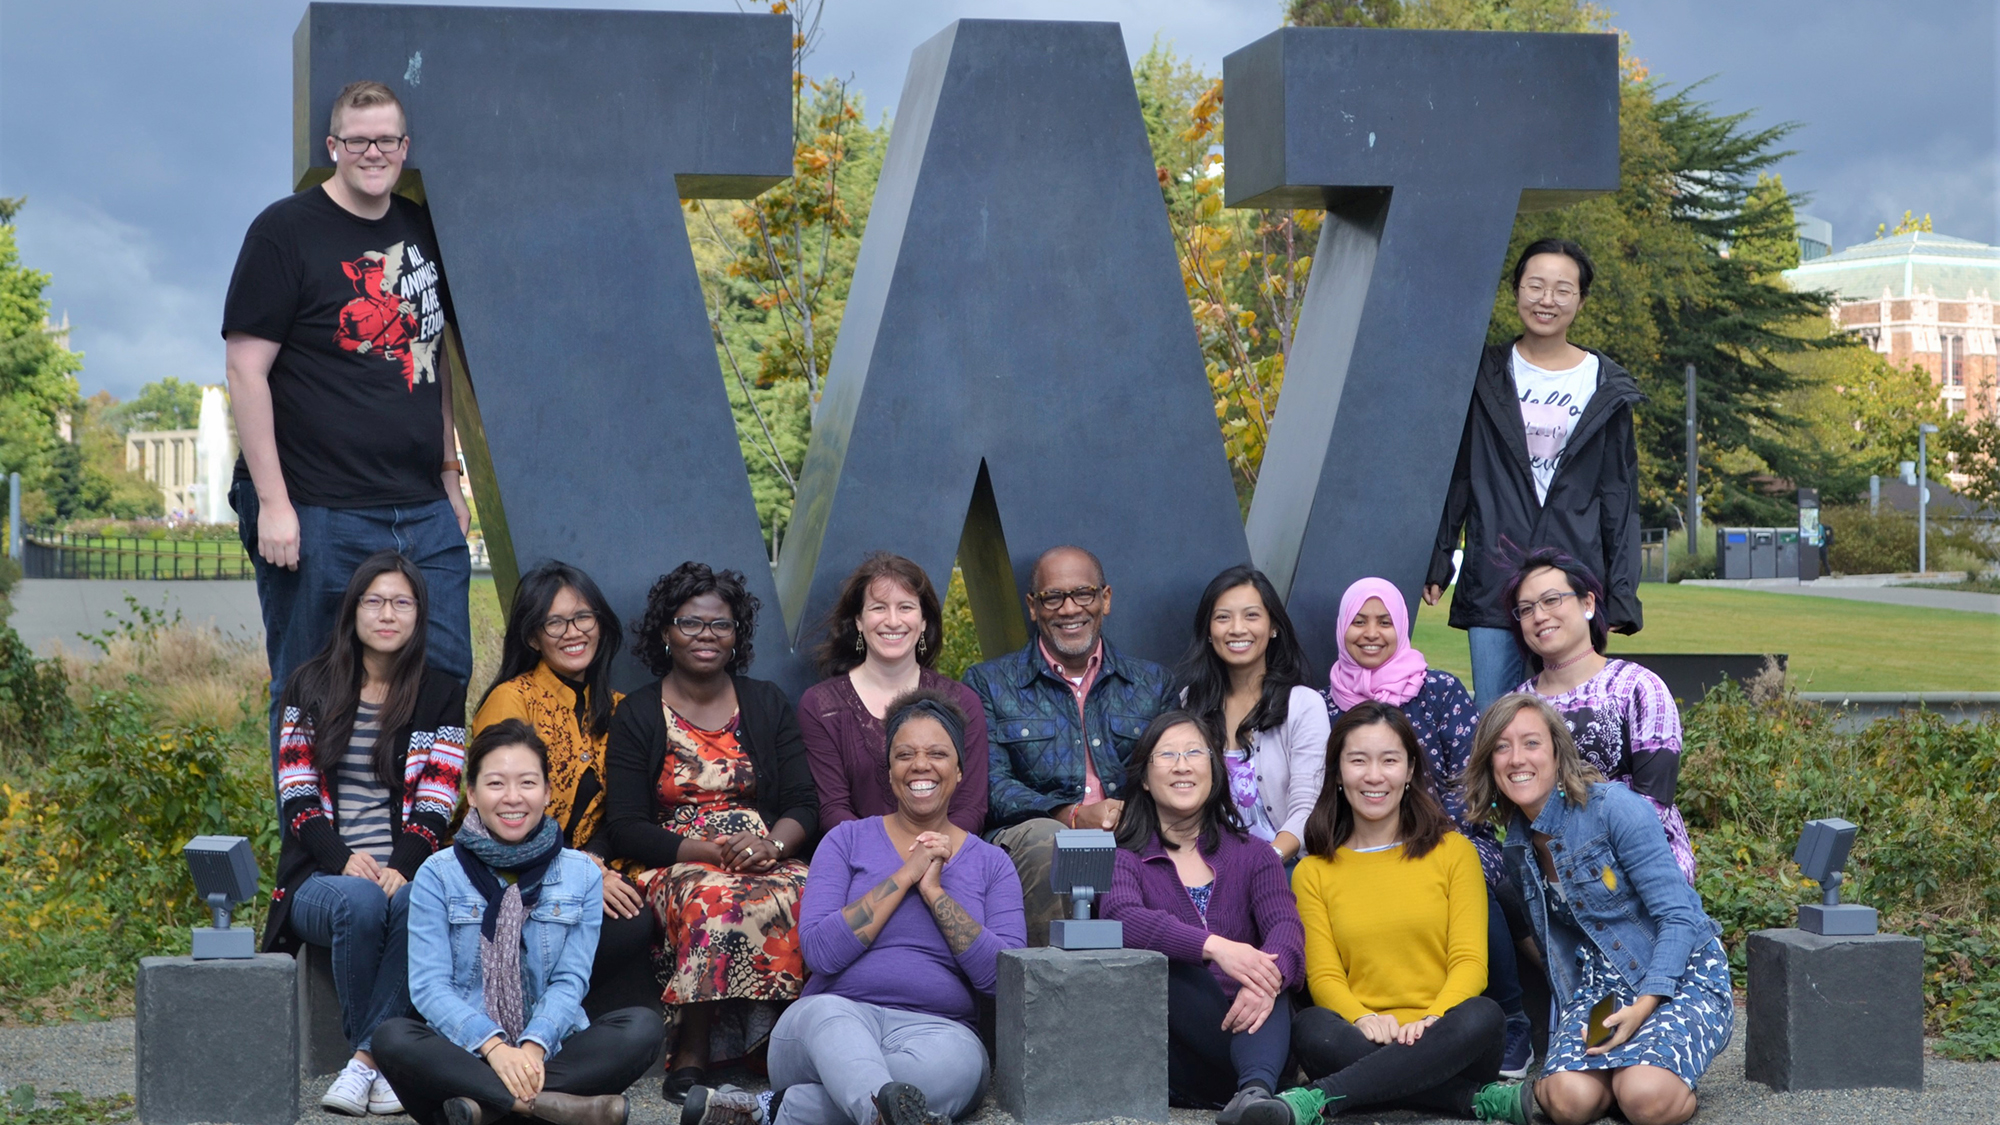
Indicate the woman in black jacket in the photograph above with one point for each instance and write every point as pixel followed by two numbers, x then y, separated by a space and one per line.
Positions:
pixel 1548 459
pixel 709 792
pixel 370 749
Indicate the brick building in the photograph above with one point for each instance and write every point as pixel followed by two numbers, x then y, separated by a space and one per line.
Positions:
pixel 1923 299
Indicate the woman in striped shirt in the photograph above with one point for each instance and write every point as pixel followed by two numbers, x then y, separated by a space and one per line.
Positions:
pixel 370 750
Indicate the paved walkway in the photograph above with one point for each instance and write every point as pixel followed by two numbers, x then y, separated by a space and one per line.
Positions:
pixel 52 611
pixel 96 1059
pixel 1888 595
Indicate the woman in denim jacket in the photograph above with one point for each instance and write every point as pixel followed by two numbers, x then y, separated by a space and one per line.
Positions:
pixel 503 927
pixel 1615 919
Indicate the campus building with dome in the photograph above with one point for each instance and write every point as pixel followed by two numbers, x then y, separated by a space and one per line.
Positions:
pixel 1920 299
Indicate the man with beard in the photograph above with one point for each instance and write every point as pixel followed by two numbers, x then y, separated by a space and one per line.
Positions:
pixel 1061 717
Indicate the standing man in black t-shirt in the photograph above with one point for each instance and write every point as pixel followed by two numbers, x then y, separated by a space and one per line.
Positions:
pixel 342 395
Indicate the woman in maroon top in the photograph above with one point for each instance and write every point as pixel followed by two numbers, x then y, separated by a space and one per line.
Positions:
pixel 882 636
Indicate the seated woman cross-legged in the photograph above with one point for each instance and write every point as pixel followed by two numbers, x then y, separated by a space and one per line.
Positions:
pixel 710 794
pixel 1618 924
pixel 555 675
pixel 503 927
pixel 370 747
pixel 1394 906
pixel 1191 883
pixel 902 924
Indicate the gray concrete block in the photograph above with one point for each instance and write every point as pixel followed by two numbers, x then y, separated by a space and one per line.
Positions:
pixel 1081 1035
pixel 217 1041
pixel 323 1045
pixel 1835 1013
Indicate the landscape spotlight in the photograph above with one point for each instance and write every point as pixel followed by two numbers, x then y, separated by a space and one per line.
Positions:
pixel 225 873
pixel 1084 859
pixel 1822 853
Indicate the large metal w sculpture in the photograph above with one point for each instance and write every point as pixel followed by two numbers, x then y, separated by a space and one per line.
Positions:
pixel 1016 347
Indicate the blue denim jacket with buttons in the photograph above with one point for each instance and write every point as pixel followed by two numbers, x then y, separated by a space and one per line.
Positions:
pixel 559 940
pixel 1034 737
pixel 1623 887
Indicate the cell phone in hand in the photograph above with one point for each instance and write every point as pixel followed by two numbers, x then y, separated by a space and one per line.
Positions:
pixel 1595 1034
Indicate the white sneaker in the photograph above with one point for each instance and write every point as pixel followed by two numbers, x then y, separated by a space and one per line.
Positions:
pixel 349 1092
pixel 382 1099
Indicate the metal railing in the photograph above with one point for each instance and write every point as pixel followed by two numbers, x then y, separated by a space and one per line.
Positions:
pixel 1655 553
pixel 52 553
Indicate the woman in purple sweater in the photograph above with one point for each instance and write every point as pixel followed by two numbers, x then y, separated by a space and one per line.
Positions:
pixel 1192 884
pixel 902 923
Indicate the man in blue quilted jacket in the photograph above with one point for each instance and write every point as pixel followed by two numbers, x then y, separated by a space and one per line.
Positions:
pixel 1061 717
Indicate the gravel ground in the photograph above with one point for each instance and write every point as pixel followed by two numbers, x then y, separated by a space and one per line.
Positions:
pixel 96 1059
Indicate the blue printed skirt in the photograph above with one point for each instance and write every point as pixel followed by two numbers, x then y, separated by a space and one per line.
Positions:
pixel 1683 1035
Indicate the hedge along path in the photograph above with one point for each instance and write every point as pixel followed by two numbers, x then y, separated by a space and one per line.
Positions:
pixel 1833 645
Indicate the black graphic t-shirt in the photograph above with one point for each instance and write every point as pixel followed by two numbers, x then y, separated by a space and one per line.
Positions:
pixel 359 306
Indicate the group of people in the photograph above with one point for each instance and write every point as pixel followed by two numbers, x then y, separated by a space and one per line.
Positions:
pixel 1364 873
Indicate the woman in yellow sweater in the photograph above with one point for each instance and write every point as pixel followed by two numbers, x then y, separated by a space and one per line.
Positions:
pixel 555 676
pixel 1394 906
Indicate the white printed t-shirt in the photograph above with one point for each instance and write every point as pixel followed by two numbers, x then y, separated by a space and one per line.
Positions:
pixel 1551 403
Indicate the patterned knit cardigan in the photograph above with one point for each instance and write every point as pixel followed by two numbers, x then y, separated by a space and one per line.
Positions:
pixel 421 805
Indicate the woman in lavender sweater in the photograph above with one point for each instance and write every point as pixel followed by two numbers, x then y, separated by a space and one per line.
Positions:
pixel 902 923
pixel 1192 884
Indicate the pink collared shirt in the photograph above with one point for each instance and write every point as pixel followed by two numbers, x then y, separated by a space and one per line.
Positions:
pixel 1093 789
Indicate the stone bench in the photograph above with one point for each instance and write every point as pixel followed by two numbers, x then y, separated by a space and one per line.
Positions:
pixel 1835 1013
pixel 322 1045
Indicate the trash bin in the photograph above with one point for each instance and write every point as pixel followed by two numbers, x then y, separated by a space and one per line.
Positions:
pixel 1763 552
pixel 1732 552
pixel 1788 552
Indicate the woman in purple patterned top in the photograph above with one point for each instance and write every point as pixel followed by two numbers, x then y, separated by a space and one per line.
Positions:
pixel 1621 714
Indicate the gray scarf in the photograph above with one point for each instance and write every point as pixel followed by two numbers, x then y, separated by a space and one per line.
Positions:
pixel 507 906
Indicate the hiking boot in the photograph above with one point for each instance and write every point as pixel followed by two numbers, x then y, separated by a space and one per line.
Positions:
pixel 899 1103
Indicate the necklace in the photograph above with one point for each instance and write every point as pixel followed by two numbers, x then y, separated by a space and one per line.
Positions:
pixel 1578 658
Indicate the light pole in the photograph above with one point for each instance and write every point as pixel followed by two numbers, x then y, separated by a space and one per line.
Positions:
pixel 1924 430
pixel 1693 468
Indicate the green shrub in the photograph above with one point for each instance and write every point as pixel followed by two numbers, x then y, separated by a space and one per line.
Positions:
pixel 34 703
pixel 1928 855
pixel 1886 542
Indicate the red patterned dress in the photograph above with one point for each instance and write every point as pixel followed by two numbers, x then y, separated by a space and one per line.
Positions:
pixel 728 935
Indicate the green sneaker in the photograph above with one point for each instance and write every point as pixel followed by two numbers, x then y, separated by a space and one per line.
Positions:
pixel 1505 1101
pixel 1307 1104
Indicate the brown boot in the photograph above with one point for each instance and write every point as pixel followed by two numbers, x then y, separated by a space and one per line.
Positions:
pixel 574 1109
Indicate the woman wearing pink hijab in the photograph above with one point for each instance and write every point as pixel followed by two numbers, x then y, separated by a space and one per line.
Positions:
pixel 1378 662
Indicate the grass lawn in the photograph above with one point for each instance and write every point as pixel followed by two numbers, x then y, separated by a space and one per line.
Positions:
pixel 1833 645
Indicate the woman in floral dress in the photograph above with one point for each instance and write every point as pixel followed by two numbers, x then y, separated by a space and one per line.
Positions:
pixel 710 793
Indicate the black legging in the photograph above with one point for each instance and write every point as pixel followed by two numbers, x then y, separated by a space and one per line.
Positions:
pixel 1205 1064
pixel 427 1070
pixel 1438 1073
pixel 622 974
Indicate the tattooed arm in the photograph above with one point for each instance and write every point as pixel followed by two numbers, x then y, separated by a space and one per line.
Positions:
pixel 868 914
pixel 958 928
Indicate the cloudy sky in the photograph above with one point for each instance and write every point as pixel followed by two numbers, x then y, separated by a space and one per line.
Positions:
pixel 147 133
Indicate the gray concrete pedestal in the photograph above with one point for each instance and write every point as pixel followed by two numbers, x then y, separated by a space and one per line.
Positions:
pixel 217 1041
pixel 1081 1035
pixel 1835 1013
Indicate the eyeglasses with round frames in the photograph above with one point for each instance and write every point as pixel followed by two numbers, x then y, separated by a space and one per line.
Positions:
pixel 1562 292
pixel 555 627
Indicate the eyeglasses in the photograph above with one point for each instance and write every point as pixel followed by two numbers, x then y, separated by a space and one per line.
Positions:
pixel 384 145
pixel 555 627
pixel 1176 757
pixel 374 603
pixel 1547 603
pixel 1052 600
pixel 1562 292
pixel 693 626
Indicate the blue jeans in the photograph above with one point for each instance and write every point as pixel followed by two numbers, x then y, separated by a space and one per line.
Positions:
pixel 300 606
pixel 1497 666
pixel 369 934
pixel 1503 975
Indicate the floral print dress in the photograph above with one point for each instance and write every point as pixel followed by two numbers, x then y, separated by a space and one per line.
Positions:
pixel 727 935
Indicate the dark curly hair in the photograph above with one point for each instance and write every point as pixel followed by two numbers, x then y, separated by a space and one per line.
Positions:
pixel 838 653
pixel 691 580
